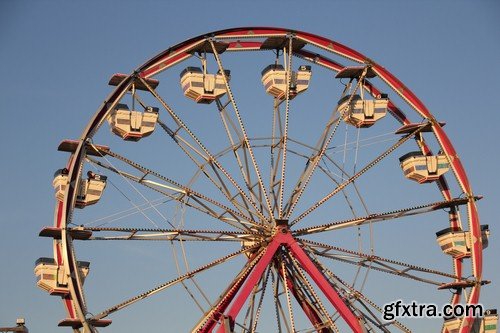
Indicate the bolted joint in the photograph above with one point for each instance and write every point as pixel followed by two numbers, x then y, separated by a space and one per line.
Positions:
pixel 281 222
pixel 281 226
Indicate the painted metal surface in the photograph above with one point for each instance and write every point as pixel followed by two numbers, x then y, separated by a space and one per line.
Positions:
pixel 284 238
pixel 75 302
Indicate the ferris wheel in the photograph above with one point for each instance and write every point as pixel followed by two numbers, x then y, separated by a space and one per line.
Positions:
pixel 293 183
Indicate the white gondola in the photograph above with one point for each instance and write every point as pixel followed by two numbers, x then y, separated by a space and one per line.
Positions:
pixel 60 182
pixel 274 78
pixel 457 243
pixel 52 278
pixel 354 108
pixel 423 169
pixel 360 112
pixel 132 125
pixel 89 191
pixel 202 87
pixel 489 321
pixel 487 324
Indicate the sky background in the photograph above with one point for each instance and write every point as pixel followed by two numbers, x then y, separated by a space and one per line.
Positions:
pixel 57 58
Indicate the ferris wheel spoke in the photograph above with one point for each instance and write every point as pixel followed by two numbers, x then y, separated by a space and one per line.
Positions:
pixel 318 153
pixel 327 157
pixel 125 213
pixel 242 161
pixel 208 156
pixel 239 144
pixel 385 216
pixel 180 235
pixel 244 134
pixel 248 322
pixel 244 206
pixel 256 317
pixel 308 299
pixel 351 293
pixel 328 173
pixel 178 192
pixel 275 158
pixel 275 295
pixel 206 166
pixel 288 51
pixel 212 317
pixel 173 282
pixel 313 162
pixel 356 175
pixel 344 193
pixel 280 312
pixel 320 150
pixel 381 264
pixel 250 309
pixel 198 289
pixel 284 274
pixel 180 196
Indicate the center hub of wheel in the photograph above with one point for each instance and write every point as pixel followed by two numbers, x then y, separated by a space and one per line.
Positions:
pixel 281 226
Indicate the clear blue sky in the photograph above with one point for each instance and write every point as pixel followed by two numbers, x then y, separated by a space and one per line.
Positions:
pixel 56 58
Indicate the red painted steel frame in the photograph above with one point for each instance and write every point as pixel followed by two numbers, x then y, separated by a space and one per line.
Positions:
pixel 326 288
pixel 284 238
pixel 221 307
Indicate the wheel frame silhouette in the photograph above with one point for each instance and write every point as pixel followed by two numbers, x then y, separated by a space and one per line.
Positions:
pixel 281 234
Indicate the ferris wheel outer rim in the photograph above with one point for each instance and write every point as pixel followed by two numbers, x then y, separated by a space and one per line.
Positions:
pixel 145 70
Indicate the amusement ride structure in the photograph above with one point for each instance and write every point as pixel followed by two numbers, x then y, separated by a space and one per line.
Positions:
pixel 285 182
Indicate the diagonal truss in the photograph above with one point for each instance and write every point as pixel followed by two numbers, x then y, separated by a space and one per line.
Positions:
pixel 385 265
pixel 385 216
pixel 173 282
pixel 180 235
pixel 199 148
pixel 179 192
pixel 230 306
pixel 243 130
pixel 356 176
